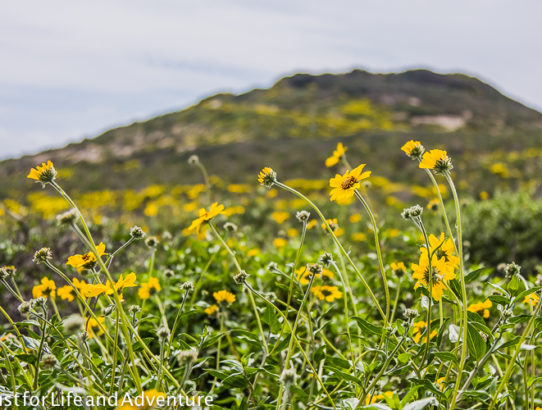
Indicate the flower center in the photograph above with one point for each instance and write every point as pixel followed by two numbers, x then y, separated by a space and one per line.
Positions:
pixel 349 182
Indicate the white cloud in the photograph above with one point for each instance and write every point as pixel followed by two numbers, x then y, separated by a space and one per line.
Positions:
pixel 72 68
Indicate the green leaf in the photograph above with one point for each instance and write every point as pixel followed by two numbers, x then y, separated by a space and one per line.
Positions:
pixel 475 274
pixel 526 292
pixel 499 299
pixel 475 342
pixel 368 327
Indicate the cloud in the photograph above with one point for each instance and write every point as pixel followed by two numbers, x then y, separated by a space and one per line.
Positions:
pixel 73 68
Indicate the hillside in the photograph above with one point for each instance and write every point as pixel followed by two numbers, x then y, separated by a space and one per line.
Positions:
pixel 299 116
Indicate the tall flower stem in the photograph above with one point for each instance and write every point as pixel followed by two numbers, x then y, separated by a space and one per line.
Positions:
pixel 339 245
pixel 378 251
pixel 442 207
pixel 463 290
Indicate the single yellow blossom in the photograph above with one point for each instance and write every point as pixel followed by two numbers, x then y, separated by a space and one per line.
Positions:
pixel 65 293
pixel 433 158
pixel 46 288
pixel 43 173
pixel 211 309
pixel 418 330
pixel 205 216
pixel 93 323
pixel 149 288
pixel 344 186
pixel 482 306
pixel 224 296
pixel 337 155
pixel 327 293
pixel 86 261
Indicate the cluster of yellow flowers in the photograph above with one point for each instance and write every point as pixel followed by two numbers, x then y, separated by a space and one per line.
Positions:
pixel 440 270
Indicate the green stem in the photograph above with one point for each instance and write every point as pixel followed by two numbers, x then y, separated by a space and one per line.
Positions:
pixel 463 291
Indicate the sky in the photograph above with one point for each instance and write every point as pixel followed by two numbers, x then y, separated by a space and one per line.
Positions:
pixel 72 69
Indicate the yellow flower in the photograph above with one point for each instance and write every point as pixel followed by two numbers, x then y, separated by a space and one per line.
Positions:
pixel 46 288
pixel 444 249
pixel 90 290
pixel 204 216
pixel 440 274
pixel 150 397
pixel 355 218
pixel 411 146
pixel 327 293
pixel 358 237
pixel 484 306
pixel 280 217
pixel 127 282
pixel 372 400
pixel 149 288
pixel 65 293
pixel 303 275
pixel 440 383
pixel 211 309
pixel 345 185
pixel 279 242
pixel 433 205
pixel 93 323
pixel 533 299
pixel 312 223
pixel 43 173
pixel 86 261
pixel 433 158
pixel 398 267
pixel 484 195
pixel 418 331
pixel 267 177
pixel 224 296
pixel 337 155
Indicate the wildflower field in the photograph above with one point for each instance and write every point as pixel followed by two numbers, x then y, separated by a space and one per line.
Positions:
pixel 335 293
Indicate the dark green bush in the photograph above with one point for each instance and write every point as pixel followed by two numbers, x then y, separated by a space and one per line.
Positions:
pixel 505 228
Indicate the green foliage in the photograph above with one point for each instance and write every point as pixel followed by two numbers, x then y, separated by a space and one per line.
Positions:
pixel 504 229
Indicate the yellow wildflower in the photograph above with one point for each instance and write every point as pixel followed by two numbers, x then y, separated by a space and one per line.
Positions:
pixel 46 288
pixel 440 274
pixel 280 217
pixel 372 400
pixel 355 218
pixel 279 242
pixel 43 173
pixel 437 160
pixel 303 275
pixel 398 268
pixel 127 282
pixel 345 185
pixel 204 216
pixel 327 293
pixel 65 293
pixel 482 306
pixel 532 298
pixel 211 309
pixel 418 330
pixel 337 155
pixel 267 177
pixel 411 146
pixel 86 261
pixel 433 205
pixel 93 323
pixel 224 296
pixel 149 288
pixel 444 249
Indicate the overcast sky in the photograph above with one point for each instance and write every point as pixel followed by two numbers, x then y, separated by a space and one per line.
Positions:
pixel 71 69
